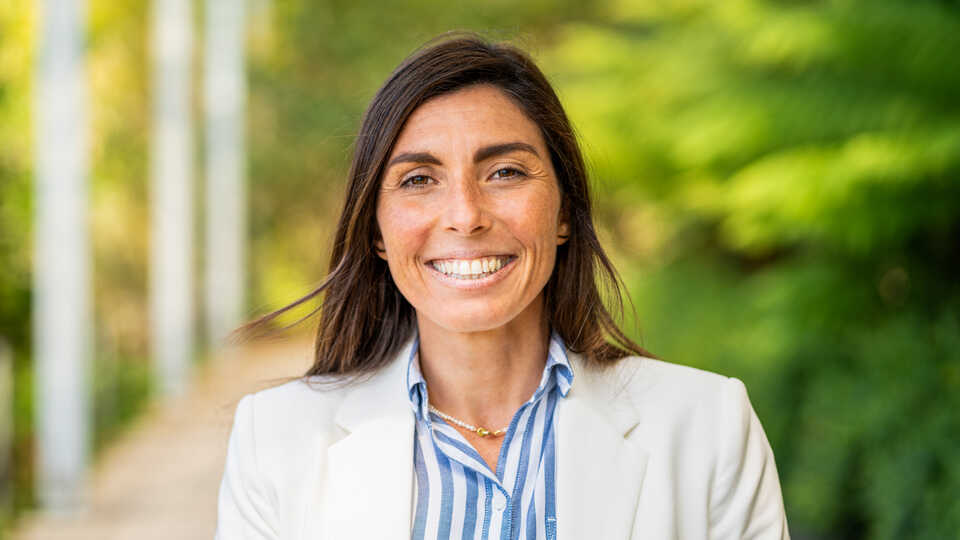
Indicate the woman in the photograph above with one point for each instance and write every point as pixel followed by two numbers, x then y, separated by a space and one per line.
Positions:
pixel 463 386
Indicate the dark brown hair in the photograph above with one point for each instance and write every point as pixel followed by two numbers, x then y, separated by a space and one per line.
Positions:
pixel 363 317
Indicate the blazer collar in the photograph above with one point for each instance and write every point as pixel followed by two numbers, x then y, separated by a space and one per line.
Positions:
pixel 368 475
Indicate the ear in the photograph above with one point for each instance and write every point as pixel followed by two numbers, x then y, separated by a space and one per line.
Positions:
pixel 563 232
pixel 379 248
pixel 563 227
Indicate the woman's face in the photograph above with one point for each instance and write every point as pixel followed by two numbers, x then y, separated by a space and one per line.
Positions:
pixel 469 211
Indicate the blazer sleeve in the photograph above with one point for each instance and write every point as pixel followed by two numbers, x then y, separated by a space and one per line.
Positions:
pixel 746 501
pixel 245 508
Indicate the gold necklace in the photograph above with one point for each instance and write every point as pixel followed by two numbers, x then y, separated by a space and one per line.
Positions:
pixel 481 431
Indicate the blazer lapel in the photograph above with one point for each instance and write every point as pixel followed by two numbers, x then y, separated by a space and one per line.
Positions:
pixel 599 471
pixel 369 473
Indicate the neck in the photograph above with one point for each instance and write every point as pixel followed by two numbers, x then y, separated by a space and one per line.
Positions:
pixel 484 377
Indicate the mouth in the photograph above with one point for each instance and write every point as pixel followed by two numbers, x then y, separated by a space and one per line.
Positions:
pixel 472 269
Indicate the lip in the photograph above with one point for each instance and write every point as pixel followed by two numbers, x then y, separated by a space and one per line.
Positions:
pixel 472 284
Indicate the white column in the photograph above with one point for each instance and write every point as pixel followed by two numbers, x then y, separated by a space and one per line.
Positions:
pixel 62 298
pixel 224 105
pixel 171 201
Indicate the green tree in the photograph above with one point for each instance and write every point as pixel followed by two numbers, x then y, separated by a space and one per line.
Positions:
pixel 781 180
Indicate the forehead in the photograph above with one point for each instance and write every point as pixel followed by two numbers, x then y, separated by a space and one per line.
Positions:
pixel 469 117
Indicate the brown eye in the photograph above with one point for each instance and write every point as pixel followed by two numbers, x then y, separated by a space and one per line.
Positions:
pixel 507 172
pixel 417 180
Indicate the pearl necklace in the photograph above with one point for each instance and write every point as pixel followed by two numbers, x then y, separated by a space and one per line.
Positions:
pixel 481 431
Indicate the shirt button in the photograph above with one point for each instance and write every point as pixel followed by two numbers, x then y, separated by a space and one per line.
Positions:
pixel 499 503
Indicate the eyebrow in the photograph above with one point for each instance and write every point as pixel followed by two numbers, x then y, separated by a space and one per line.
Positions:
pixel 493 150
pixel 481 154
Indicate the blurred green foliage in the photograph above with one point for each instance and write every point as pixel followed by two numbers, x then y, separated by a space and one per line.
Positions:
pixel 781 182
pixel 777 181
pixel 15 212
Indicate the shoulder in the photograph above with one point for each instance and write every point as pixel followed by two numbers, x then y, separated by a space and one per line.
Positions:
pixel 293 416
pixel 710 469
pixel 643 372
pixel 648 381
pixel 301 404
pixel 314 412
pixel 303 398
pixel 272 451
pixel 668 400
pixel 703 437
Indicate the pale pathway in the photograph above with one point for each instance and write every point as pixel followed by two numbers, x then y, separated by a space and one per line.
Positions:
pixel 159 480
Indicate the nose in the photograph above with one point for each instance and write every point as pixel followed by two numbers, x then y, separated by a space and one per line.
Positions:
pixel 465 211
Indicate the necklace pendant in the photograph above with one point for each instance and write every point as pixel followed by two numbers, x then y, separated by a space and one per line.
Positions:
pixel 482 432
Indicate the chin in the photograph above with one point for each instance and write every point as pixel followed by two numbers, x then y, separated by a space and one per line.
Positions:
pixel 479 321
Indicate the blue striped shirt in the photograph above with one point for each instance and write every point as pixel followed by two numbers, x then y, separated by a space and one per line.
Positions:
pixel 458 496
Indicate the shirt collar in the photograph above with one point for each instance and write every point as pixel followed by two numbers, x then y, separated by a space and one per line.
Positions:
pixel 557 372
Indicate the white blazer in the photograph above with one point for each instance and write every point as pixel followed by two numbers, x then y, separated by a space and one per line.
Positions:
pixel 645 449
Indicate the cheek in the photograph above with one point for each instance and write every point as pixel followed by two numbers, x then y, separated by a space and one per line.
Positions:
pixel 402 227
pixel 534 218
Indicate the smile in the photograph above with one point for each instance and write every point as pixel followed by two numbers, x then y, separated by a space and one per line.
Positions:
pixel 471 269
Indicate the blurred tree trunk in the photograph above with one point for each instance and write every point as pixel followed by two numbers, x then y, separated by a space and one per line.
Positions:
pixel 62 293
pixel 224 104
pixel 171 283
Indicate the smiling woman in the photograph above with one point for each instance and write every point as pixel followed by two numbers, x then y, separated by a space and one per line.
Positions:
pixel 468 381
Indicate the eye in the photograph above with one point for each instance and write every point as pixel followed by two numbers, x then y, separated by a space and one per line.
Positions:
pixel 416 181
pixel 507 172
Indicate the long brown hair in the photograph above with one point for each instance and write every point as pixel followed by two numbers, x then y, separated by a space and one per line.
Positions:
pixel 364 319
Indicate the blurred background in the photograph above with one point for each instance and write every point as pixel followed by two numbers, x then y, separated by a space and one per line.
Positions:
pixel 777 181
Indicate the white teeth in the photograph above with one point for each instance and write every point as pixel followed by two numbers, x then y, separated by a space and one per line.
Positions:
pixel 470 269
